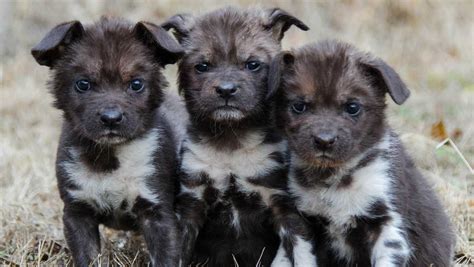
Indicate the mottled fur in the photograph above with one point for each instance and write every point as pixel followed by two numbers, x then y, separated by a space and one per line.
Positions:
pixel 367 202
pixel 233 200
pixel 121 175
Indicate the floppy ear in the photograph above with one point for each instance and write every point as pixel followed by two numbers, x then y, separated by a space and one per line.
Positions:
pixel 51 47
pixel 280 21
pixel 167 50
pixel 182 25
pixel 387 79
pixel 279 64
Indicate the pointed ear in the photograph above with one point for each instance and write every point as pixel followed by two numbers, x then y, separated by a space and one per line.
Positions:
pixel 280 21
pixel 51 47
pixel 279 64
pixel 167 50
pixel 385 78
pixel 182 25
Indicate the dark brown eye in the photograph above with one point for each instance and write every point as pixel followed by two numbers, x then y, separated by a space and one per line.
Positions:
pixel 82 85
pixel 202 67
pixel 352 108
pixel 137 85
pixel 253 65
pixel 298 107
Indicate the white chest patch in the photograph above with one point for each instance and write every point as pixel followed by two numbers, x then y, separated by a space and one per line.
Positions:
pixel 369 184
pixel 107 190
pixel 251 160
pixel 341 204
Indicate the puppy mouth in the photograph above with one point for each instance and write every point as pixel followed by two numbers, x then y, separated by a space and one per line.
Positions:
pixel 110 137
pixel 227 113
pixel 324 155
pixel 227 107
pixel 326 160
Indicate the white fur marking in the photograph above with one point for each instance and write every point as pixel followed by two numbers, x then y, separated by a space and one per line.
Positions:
pixel 281 260
pixel 369 184
pixel 227 115
pixel 302 253
pixel 341 204
pixel 251 160
pixel 107 190
pixel 235 219
pixel 381 254
pixel 264 192
pixel 197 191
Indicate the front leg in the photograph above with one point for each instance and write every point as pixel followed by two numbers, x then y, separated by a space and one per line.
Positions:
pixel 191 211
pixel 296 247
pixel 160 230
pixel 81 230
pixel 391 248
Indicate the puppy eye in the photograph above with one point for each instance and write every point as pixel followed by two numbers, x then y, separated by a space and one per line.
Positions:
pixel 82 85
pixel 253 65
pixel 136 85
pixel 202 67
pixel 298 107
pixel 352 108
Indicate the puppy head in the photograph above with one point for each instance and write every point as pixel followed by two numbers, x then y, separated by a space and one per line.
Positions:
pixel 332 101
pixel 107 76
pixel 224 71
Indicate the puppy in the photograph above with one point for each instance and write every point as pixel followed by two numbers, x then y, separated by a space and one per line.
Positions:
pixel 350 174
pixel 233 201
pixel 116 160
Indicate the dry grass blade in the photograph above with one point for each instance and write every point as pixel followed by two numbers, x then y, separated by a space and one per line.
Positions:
pixel 236 264
pixel 259 262
pixel 429 43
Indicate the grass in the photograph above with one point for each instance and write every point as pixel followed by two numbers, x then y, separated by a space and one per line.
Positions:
pixel 431 44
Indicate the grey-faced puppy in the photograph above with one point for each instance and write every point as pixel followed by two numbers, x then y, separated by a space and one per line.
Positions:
pixel 116 160
pixel 368 203
pixel 233 202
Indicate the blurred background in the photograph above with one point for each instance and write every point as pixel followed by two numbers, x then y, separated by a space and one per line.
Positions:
pixel 430 44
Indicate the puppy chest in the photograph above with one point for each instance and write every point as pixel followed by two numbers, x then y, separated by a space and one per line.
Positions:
pixel 109 192
pixel 118 189
pixel 220 166
pixel 355 197
pixel 233 174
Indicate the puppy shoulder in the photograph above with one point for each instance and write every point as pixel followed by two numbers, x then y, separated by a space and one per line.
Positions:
pixel 422 212
pixel 174 112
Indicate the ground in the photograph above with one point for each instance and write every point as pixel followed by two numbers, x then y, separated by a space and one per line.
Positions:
pixel 431 45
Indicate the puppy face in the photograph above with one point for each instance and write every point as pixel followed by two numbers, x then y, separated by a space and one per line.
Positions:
pixel 107 77
pixel 332 101
pixel 224 71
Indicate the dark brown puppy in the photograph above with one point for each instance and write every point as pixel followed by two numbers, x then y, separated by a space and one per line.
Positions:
pixel 116 159
pixel 233 200
pixel 349 172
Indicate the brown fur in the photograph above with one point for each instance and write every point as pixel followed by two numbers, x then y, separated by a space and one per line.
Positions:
pixel 325 93
pixel 110 55
pixel 326 77
pixel 227 40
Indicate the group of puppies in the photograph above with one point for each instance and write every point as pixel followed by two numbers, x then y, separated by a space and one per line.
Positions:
pixel 279 158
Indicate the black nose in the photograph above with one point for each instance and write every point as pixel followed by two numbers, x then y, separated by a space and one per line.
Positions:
pixel 324 140
pixel 226 90
pixel 111 116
